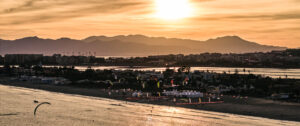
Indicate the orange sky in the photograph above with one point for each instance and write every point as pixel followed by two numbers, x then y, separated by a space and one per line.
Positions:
pixel 271 22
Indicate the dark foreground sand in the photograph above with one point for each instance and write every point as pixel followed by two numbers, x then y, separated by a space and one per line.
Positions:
pixel 253 106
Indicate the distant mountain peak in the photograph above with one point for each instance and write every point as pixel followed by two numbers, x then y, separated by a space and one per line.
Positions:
pixel 134 45
pixel 137 35
pixel 64 39
pixel 234 38
pixel 30 38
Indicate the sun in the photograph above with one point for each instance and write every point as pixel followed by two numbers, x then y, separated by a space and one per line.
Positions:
pixel 173 9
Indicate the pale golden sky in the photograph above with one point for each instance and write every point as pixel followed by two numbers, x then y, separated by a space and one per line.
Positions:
pixel 271 22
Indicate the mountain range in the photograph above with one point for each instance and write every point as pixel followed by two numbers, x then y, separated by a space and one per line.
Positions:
pixel 131 45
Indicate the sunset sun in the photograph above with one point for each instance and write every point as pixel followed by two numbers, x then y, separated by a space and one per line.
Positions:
pixel 150 62
pixel 173 9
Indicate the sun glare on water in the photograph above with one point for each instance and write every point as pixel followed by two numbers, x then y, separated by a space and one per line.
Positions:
pixel 173 9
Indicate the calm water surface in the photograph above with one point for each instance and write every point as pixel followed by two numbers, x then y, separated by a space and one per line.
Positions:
pixel 271 72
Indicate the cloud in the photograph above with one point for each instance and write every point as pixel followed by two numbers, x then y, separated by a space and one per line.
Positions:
pixel 281 16
pixel 24 6
pixel 39 11
pixel 211 18
pixel 294 15
pixel 33 5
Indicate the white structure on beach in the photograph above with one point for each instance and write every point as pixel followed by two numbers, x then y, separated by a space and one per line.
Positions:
pixel 189 94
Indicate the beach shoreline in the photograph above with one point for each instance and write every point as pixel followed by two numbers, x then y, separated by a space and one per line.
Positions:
pixel 253 107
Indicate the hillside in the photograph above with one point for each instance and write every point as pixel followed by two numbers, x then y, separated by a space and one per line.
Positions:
pixel 131 45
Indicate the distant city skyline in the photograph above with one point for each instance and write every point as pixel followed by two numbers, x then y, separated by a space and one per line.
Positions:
pixel 268 22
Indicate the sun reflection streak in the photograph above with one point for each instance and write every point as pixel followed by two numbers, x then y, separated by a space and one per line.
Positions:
pixel 171 110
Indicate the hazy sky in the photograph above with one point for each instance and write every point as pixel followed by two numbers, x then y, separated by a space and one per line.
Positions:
pixel 271 22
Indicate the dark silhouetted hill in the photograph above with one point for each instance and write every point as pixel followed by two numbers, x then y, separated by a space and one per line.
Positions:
pixel 131 45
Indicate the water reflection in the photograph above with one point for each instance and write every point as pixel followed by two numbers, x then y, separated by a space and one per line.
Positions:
pixel 271 72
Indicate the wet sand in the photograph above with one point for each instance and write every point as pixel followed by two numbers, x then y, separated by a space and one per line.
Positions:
pixel 253 107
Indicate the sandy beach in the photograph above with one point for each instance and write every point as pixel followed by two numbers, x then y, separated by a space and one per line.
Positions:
pixel 68 109
pixel 252 107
